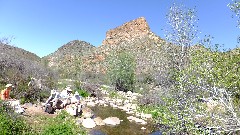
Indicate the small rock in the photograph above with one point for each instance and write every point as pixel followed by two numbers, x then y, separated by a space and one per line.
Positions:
pixel 88 123
pixel 129 112
pixel 91 104
pixel 129 93
pixel 143 128
pixel 143 122
pixel 148 116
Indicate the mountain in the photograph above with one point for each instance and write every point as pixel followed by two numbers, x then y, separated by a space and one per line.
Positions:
pixel 68 57
pixel 134 37
pixel 16 52
pixel 79 58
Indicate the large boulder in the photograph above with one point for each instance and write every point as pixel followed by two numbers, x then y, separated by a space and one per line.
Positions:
pixel 112 121
pixel 88 123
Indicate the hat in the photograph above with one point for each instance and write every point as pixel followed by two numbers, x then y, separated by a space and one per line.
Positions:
pixel 9 85
pixel 68 89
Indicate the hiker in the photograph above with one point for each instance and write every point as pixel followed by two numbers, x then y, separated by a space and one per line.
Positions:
pixel 66 93
pixel 5 94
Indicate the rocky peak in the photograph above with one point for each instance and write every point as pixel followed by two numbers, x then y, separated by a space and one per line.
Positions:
pixel 134 29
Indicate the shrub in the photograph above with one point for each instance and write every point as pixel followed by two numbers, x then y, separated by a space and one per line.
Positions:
pixel 121 71
pixel 11 123
pixel 62 124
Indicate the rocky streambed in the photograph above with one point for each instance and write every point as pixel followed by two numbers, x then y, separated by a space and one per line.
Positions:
pixel 115 115
pixel 126 126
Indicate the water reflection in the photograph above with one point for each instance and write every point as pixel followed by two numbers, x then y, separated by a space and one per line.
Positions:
pixel 125 128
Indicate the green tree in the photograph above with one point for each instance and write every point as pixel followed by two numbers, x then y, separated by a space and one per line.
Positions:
pixel 121 71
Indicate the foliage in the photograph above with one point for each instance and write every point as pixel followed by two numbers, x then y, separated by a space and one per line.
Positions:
pixel 11 123
pixel 197 74
pixel 122 71
pixel 62 124
pixel 80 90
pixel 18 66
pixel 235 7
pixel 183 28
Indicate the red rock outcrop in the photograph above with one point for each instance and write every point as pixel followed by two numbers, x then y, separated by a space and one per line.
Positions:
pixel 128 31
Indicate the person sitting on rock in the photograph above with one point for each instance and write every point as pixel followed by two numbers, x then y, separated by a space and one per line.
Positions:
pixel 5 94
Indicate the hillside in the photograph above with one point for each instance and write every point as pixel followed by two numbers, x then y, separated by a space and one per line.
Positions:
pixel 20 61
pixel 81 59
pixel 134 36
pixel 68 56
pixel 12 51
pixel 18 66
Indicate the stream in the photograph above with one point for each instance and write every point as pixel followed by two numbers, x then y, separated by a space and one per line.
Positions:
pixel 124 128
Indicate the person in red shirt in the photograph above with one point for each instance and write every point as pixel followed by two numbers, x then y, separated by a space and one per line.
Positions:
pixel 5 94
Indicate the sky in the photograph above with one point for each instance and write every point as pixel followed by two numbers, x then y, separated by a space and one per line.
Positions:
pixel 42 26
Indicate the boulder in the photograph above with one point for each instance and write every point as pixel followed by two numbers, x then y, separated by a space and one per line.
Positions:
pixel 112 121
pixel 15 104
pixel 88 123
pixel 99 121
pixel 91 104
pixel 87 112
pixel 72 110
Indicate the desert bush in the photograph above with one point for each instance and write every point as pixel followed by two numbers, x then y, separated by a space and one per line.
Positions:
pixel 11 123
pixel 62 124
pixel 121 71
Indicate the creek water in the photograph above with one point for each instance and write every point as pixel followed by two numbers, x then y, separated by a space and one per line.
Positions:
pixel 124 128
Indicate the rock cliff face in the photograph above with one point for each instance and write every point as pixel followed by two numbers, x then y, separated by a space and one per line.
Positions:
pixel 128 31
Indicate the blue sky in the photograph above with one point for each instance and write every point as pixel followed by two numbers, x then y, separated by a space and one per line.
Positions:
pixel 42 26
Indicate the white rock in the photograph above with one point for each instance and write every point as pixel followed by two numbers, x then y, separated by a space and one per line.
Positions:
pixel 129 93
pixel 72 110
pixel 119 101
pixel 112 121
pixel 138 120
pixel 143 128
pixel 15 104
pixel 87 112
pixel 133 106
pixel 91 104
pixel 143 122
pixel 130 112
pixel 148 116
pixel 101 102
pixel 130 118
pixel 138 114
pixel 88 123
